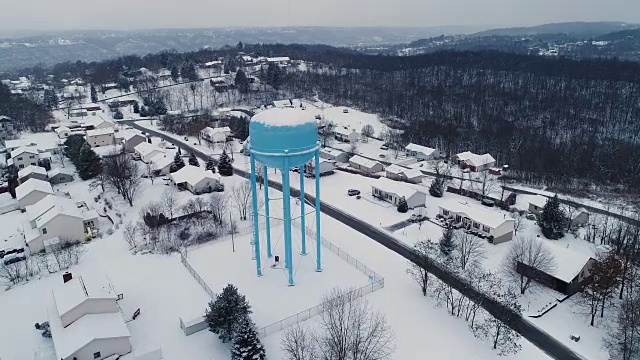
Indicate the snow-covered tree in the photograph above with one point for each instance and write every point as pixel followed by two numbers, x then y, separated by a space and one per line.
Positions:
pixel 136 108
pixel 227 312
pixel 529 251
pixel 502 337
pixel 437 187
pixel 178 162
pixel 447 242
pixel 246 344
pixel 88 163
pixel 224 164
pixel 367 132
pixel 552 219
pixel 426 250
pixel 193 160
pixel 94 94
pixel 211 165
pixel 403 207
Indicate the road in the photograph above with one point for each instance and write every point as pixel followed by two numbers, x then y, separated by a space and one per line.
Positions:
pixel 545 342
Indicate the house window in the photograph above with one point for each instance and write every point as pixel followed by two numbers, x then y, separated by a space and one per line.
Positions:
pixel 486 229
pixel 31 156
pixel 97 355
pixel 44 231
pixel 21 166
pixel 476 225
pixel 445 212
pixel 19 159
pixel 458 218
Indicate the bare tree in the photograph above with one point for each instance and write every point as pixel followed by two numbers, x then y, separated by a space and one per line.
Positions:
pixel 519 223
pixel 351 329
pixel 353 147
pixel 425 249
pixel 170 199
pixel 326 133
pixel 129 234
pixel 367 132
pixel 149 224
pixel 218 204
pixel 241 198
pixel 198 208
pixel 11 272
pixel 298 343
pixel 394 140
pixel 60 154
pixel 471 249
pixel 44 262
pixel 124 175
pixel 525 260
pixel 150 172
pixel 484 183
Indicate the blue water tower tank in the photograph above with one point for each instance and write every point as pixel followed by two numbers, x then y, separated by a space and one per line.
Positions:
pixel 290 133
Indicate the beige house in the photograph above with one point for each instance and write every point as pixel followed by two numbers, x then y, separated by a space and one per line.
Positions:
pixel 100 137
pixel 53 216
pixel 421 152
pixel 85 319
pixel 32 191
pixel 392 191
pixel 490 223
pixel 195 179
pixel 474 162
pixel 32 172
pixel 131 140
pixel 25 156
pixel 147 151
pixel 365 165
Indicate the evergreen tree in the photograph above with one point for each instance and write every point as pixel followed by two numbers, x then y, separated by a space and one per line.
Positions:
pixel 175 73
pixel 45 163
pixel 178 162
pixel 118 115
pixel 211 165
pixel 447 244
pixel 227 312
pixel 136 108
pixel 50 99
pixel 193 160
pixel 88 164
pixel 241 81
pixel 246 344
pixel 94 94
pixel 188 71
pixel 552 219
pixel 224 164
pixel 143 112
pixel 437 187
pixel 13 184
pixel 123 83
pixel 403 207
pixel 72 147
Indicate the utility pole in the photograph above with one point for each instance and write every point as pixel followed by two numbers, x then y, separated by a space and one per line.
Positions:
pixel 233 244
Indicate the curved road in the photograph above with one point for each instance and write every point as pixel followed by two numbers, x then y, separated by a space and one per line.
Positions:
pixel 545 342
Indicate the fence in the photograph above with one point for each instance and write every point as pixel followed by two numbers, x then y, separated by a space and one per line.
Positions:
pixel 183 259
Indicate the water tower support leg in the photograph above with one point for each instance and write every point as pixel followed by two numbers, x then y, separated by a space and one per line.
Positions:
pixel 266 210
pixel 286 202
pixel 256 228
pixel 318 236
pixel 302 213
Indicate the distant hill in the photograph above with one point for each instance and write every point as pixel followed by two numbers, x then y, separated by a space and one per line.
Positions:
pixel 574 28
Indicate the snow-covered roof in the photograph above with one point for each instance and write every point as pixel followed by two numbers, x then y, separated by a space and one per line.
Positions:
pixel 284 117
pixel 287 103
pixel 32 185
pixel 80 289
pixel 214 62
pixel 47 204
pixel 220 130
pixel 362 161
pixel 127 136
pixel 31 169
pixel 62 129
pixel 332 151
pixel 481 215
pixel 537 200
pixel 420 149
pixel 278 59
pixel 343 131
pixel 412 173
pixel 145 148
pixel 192 175
pixel 568 263
pixel 395 169
pixel 24 149
pixel 59 209
pixel 398 188
pixel 161 161
pixel 99 132
pixel 475 159
pixel 14 144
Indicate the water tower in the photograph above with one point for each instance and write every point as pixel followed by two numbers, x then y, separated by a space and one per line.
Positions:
pixel 284 139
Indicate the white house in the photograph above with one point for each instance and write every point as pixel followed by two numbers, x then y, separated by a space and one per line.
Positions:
pixel 32 172
pixel 24 156
pixel 53 216
pixel 412 175
pixel 334 154
pixel 394 172
pixel 85 320
pixel 60 175
pixel 161 164
pixel 421 152
pixel 474 162
pixel 147 151
pixel 536 203
pixel 326 167
pixel 365 165
pixel 346 135
pixel 392 191
pixel 280 60
pixel 32 191
pixel 100 137
pixel 195 179
pixel 215 134
pixel 131 140
pixel 63 132
pixel 98 122
pixel 483 220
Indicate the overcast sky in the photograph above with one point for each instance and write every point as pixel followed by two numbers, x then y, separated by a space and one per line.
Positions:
pixel 135 14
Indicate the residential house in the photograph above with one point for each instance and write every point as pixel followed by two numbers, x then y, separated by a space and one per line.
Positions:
pixel 536 203
pixel 394 172
pixel 24 156
pixel 32 191
pixel 572 269
pixel 343 134
pixel 474 162
pixel 131 140
pixel 580 218
pixel 413 175
pixel 85 319
pixel 216 135
pixel 326 167
pixel 147 151
pixel 53 216
pixel 280 60
pixel 217 64
pixel 195 179
pixel 161 164
pixel 489 222
pixel 334 154
pixel 421 152
pixel 60 175
pixel 63 132
pixel 32 172
pixel 100 137
pixel 289 103
pixel 98 122
pixel 365 165
pixel 393 191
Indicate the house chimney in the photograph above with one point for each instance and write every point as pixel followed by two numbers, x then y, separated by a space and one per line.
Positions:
pixel 67 276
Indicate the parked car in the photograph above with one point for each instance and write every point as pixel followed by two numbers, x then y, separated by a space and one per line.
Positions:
pixel 384 147
pixel 170 146
pixel 135 156
pixel 487 202
pixel 345 111
pixel 382 155
pixel 353 192
pixel 318 117
pixel 417 217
